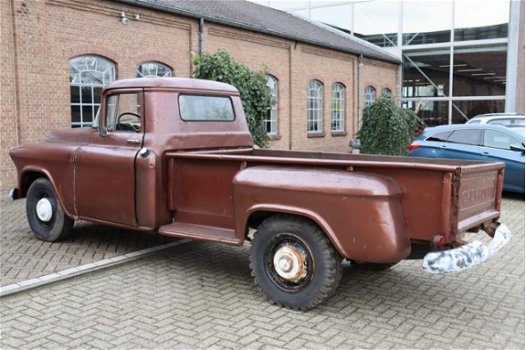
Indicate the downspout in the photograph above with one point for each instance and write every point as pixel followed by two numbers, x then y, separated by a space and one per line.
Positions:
pixel 359 104
pixel 201 36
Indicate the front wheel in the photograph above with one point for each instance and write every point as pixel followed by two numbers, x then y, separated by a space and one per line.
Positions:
pixel 45 215
pixel 293 262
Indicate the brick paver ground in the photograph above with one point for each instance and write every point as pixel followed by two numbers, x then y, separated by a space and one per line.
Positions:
pixel 202 295
pixel 23 257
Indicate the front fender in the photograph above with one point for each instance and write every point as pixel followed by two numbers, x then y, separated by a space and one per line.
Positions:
pixel 359 212
pixel 53 161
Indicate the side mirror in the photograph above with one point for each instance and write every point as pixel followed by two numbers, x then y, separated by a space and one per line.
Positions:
pixel 517 148
pixel 103 131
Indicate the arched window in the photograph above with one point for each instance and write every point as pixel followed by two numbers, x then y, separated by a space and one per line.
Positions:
pixel 338 107
pixel 315 107
pixel 88 75
pixel 370 96
pixel 153 69
pixel 387 91
pixel 271 121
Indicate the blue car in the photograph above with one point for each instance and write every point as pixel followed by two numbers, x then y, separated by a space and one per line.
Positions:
pixel 491 143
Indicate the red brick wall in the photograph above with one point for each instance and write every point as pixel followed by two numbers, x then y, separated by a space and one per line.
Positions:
pixel 40 37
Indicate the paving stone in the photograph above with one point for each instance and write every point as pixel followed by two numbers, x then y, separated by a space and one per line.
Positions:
pixel 23 257
pixel 201 295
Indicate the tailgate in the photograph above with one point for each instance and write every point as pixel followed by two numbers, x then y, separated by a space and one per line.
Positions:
pixel 476 195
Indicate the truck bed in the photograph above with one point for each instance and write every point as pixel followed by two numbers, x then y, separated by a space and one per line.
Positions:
pixel 439 196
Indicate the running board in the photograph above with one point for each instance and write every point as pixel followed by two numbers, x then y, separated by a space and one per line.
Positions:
pixel 200 232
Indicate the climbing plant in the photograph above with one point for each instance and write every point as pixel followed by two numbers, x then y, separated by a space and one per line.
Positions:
pixel 252 86
pixel 388 129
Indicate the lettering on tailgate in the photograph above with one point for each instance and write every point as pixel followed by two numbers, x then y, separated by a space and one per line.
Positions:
pixel 477 193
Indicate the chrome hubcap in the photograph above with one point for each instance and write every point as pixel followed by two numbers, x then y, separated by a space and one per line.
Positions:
pixel 289 263
pixel 44 210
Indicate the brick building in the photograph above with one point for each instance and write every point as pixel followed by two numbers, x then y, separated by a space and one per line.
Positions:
pixel 58 54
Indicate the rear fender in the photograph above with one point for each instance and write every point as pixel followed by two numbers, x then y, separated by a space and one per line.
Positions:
pixel 359 212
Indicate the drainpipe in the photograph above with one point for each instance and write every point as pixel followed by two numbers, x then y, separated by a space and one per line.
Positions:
pixel 359 104
pixel 201 36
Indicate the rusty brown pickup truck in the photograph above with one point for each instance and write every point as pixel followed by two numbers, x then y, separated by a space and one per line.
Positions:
pixel 175 156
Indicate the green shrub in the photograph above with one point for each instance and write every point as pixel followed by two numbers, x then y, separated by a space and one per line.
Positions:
pixel 252 86
pixel 387 128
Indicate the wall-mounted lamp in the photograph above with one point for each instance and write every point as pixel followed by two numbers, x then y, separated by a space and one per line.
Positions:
pixel 124 19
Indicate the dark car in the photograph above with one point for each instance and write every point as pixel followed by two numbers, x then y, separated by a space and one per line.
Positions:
pixel 480 142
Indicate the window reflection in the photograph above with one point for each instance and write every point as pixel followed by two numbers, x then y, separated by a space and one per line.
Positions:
pixel 377 22
pixel 426 22
pixel 326 15
pixel 431 112
pixel 479 71
pixel 490 21
pixel 465 110
pixel 426 73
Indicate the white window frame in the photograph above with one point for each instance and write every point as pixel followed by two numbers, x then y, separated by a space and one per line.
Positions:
pixel 92 72
pixel 159 70
pixel 271 120
pixel 370 95
pixel 315 107
pixel 338 107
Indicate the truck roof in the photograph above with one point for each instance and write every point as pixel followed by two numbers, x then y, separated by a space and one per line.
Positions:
pixel 174 83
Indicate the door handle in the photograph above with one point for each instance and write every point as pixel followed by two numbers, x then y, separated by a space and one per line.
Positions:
pixel 134 141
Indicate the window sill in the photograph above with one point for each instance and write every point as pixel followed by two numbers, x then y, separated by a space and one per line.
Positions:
pixel 338 133
pixel 315 134
pixel 274 137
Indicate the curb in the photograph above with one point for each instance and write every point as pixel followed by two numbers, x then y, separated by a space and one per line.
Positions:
pixel 21 286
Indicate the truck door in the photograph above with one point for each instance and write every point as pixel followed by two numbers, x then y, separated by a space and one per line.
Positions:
pixel 105 168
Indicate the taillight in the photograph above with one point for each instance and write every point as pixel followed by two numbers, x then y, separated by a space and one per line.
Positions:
pixel 412 147
pixel 439 241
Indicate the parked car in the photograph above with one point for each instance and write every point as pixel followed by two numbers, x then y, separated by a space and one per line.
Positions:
pixel 510 120
pixel 482 142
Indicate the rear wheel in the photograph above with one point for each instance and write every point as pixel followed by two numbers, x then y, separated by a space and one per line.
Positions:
pixel 45 215
pixel 293 262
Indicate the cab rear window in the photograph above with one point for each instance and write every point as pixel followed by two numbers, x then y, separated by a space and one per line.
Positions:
pixel 206 108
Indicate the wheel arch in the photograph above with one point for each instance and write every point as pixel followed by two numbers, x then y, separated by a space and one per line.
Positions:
pixel 30 175
pixel 259 213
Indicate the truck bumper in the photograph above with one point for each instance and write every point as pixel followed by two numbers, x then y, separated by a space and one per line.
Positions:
pixel 466 256
pixel 13 194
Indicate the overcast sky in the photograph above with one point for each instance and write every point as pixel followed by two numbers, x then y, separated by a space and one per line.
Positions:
pixel 381 16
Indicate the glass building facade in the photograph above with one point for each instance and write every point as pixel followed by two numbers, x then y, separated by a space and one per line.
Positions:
pixel 454 53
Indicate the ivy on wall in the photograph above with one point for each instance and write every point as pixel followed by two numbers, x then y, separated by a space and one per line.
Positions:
pixel 388 129
pixel 252 86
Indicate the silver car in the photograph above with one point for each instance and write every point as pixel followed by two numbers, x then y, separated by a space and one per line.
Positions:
pixel 509 120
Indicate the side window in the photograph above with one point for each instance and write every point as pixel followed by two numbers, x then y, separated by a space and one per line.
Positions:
pixel 497 139
pixel 468 137
pixel 123 112
pixel 500 122
pixel 441 136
